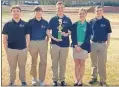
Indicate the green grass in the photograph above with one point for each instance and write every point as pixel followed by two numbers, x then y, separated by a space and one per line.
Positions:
pixel 112 68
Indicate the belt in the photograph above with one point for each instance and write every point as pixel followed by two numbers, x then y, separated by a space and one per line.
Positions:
pixel 99 41
pixel 38 40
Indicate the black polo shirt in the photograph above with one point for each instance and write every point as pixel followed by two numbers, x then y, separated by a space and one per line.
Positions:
pixel 16 32
pixel 101 28
pixel 66 24
pixel 37 29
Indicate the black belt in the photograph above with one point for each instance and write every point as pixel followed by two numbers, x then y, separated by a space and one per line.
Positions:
pixel 99 41
pixel 38 40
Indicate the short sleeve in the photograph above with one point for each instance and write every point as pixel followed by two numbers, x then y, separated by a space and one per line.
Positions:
pixel 5 29
pixel 50 25
pixel 27 28
pixel 109 30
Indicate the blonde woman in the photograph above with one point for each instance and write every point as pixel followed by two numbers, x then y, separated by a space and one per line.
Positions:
pixel 81 33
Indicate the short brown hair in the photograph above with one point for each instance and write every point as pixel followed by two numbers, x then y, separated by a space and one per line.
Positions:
pixel 37 8
pixel 15 7
pixel 59 3
pixel 82 9
pixel 97 7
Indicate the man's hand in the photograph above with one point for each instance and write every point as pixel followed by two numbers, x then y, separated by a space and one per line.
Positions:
pixel 107 44
pixel 58 40
pixel 27 41
pixel 50 36
pixel 65 34
pixel 47 38
pixel 6 49
pixel 5 43
pixel 108 40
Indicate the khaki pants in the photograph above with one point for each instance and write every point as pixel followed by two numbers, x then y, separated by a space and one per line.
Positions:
pixel 99 58
pixel 41 48
pixel 59 56
pixel 14 56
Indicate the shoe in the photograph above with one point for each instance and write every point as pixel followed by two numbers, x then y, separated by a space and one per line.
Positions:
pixel 11 84
pixel 75 84
pixel 93 80
pixel 54 83
pixel 63 83
pixel 80 84
pixel 41 83
pixel 24 84
pixel 34 82
pixel 103 84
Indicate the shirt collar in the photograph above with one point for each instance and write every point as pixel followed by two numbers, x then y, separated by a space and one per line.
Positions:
pixel 79 22
pixel 15 21
pixel 99 19
pixel 62 17
pixel 38 20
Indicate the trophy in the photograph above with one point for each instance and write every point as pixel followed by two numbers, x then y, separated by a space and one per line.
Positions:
pixel 60 29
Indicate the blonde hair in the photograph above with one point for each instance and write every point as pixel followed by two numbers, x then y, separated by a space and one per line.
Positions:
pixel 59 3
pixel 82 9
pixel 15 7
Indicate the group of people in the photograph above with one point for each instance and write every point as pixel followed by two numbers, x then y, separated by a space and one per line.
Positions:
pixel 19 37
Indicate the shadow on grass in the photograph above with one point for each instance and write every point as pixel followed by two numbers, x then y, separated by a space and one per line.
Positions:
pixel 96 84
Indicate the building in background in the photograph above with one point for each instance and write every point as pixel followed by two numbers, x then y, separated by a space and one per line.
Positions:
pixel 67 2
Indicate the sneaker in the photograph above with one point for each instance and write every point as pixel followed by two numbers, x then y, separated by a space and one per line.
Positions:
pixel 54 83
pixel 63 83
pixel 103 84
pixel 34 82
pixel 24 84
pixel 93 80
pixel 11 84
pixel 41 83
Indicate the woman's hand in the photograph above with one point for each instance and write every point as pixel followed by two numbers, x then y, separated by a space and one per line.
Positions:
pixel 77 48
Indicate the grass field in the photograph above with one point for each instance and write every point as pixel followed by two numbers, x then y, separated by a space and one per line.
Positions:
pixel 112 59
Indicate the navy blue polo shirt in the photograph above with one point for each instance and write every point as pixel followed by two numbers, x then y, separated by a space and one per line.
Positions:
pixel 16 32
pixel 37 29
pixel 100 29
pixel 66 24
